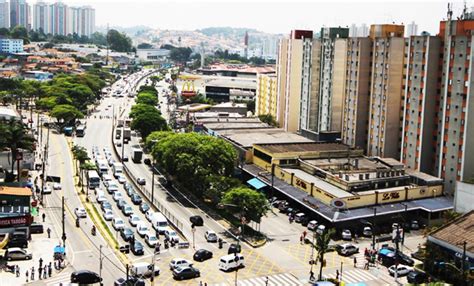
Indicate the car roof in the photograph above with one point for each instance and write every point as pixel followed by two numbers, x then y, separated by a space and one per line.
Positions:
pixel 14 248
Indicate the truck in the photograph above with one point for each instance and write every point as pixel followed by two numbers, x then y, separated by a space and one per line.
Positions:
pixel 127 134
pixel 137 155
pixel 120 123
pixel 117 168
pixel 118 133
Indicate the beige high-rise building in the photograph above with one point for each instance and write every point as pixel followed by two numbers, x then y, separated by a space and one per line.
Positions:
pixel 356 93
pixel 266 95
pixel 385 110
pixel 421 94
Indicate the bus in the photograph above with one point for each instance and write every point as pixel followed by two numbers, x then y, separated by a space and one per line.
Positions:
pixel 93 179
pixel 80 130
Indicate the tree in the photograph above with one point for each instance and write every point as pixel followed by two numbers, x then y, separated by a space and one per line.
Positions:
pixel 14 136
pixel 181 55
pixel 20 32
pixel 119 42
pixel 147 98
pixel 148 122
pixel 321 245
pixel 217 186
pixel 154 137
pixel 98 39
pixel 66 113
pixel 144 46
pixel 148 88
pixel 81 156
pixel 141 108
pixel 268 119
pixel 249 203
pixel 5 32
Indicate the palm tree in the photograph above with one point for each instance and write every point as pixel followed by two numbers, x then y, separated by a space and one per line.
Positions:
pixel 15 137
pixel 81 156
pixel 321 245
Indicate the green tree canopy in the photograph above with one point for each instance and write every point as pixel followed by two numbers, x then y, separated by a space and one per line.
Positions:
pixel 144 46
pixel 154 137
pixel 119 42
pixel 180 54
pixel 148 89
pixel 141 108
pixel 148 122
pixel 147 98
pixel 66 112
pixel 249 203
pixel 269 119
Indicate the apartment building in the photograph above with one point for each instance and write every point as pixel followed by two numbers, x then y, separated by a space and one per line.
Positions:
pixel 41 18
pixel 11 46
pixel 266 96
pixel 356 92
pixel 421 92
pixel 59 17
pixel 19 13
pixel 455 132
pixel 4 14
pixel 385 110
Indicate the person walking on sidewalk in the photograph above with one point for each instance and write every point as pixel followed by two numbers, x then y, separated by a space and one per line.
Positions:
pixel 27 275
pixel 32 273
pixel 40 271
pixel 17 271
pixel 355 262
pixel 49 232
pixel 43 216
pixel 41 262
pixel 301 239
pixel 50 270
pixel 45 271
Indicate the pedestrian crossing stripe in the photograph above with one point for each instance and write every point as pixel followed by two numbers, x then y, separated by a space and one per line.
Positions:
pixel 64 278
pixel 355 276
pixel 282 279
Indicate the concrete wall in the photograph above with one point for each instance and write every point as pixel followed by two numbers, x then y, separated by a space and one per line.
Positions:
pixel 463 197
pixel 293 88
pixel 338 84
pixel 282 67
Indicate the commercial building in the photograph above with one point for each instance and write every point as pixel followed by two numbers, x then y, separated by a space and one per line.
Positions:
pixel 385 108
pixel 421 93
pixel 225 89
pixel 153 55
pixel 4 14
pixel 455 133
pixel 230 107
pixel 266 101
pixel 340 186
pixel 11 46
pixel 20 13
pixel 236 70
pixel 356 94
pixel 15 206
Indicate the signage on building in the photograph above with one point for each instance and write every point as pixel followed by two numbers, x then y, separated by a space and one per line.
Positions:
pixel 12 221
pixel 390 196
pixel 338 203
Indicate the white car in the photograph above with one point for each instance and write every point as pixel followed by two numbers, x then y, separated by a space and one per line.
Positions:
pixel 117 196
pixel 121 178
pixel 151 239
pixel 118 223
pixel 106 178
pixel 108 215
pixel 149 214
pixel 346 234
pixel 142 229
pixel 112 187
pixel 47 190
pixel 134 220
pixel 171 235
pixel 56 186
pixel 401 269
pixel 179 262
pixel 210 236
pixel 80 212
pixel 312 225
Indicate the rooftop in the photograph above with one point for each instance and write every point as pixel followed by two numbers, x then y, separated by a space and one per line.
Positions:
pixel 8 113
pixel 240 68
pixel 233 83
pixel 230 104
pixel 247 137
pixel 304 147
pixel 15 191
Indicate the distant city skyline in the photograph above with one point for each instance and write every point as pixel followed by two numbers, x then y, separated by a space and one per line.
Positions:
pixel 267 16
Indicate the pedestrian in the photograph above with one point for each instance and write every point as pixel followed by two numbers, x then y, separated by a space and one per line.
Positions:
pixel 200 283
pixel 40 271
pixel 32 273
pixel 337 274
pixel 366 252
pixel 41 262
pixel 311 275
pixel 50 270
pixel 27 275
pixel 305 233
pixel 301 239
pixel 366 266
pixel 356 237
pixel 266 281
pixel 45 271
pixel 17 270
pixel 43 216
pixel 355 262
pixel 49 232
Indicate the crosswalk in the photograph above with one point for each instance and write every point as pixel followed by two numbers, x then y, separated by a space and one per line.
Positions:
pixel 355 276
pixel 282 279
pixel 64 278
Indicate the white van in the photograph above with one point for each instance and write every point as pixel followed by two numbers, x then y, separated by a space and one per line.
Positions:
pixel 141 269
pixel 321 228
pixel 100 197
pixel 231 261
pixel 159 222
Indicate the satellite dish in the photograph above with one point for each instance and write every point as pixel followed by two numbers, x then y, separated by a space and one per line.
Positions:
pixel 338 203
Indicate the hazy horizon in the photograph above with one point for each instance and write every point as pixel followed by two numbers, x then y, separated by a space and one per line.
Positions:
pixel 278 17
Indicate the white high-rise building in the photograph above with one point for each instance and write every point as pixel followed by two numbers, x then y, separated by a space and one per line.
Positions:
pixel 359 31
pixel 41 17
pixel 4 14
pixel 19 13
pixel 58 15
pixel 411 29
pixel 82 20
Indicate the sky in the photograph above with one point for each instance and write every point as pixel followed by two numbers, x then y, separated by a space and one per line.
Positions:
pixel 267 16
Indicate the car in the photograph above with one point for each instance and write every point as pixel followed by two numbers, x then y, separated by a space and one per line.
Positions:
pixel 125 157
pixel 56 186
pixel 136 199
pixel 120 203
pixel 181 273
pixel 112 187
pixel 134 220
pixel 80 212
pixel 121 178
pixel 367 231
pixel 106 178
pixel 300 217
pixel 147 161
pixel 142 229
pixel 417 277
pixel 137 248
pixel 210 236
pixel 414 225
pixel 144 207
pixel 171 235
pixel 111 161
pixel 16 253
pixel 36 228
pixel 85 277
pixel 179 262
pixel 312 225
pixel 47 190
pixel 149 214
pixel 117 196
pixel 401 270
pixel 127 233
pixel 118 223
pixel 127 186
pixel 404 259
pixel 234 248
pixel 108 215
pixel 151 239
pixel 141 181
pixel 346 249
pixel 202 255
pixel 196 220
pixel 127 210
pixel 346 234
pixel 131 281
pixel 105 205
pixel 118 143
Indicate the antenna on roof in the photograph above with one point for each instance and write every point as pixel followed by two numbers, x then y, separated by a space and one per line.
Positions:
pixel 450 11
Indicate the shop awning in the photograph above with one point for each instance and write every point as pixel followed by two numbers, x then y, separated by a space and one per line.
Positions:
pixel 256 183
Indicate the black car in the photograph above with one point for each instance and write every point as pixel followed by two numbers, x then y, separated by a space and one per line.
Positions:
pixel 125 157
pixel 121 203
pixel 180 273
pixel 283 206
pixel 130 192
pixel 105 206
pixel 234 248
pixel 136 199
pixel 127 233
pixel 405 259
pixel 417 277
pixel 144 207
pixel 85 277
pixel 147 161
pixel 202 255
pixel 137 248
pixel 36 228
pixel 132 281
pixel 196 220
pixel 127 186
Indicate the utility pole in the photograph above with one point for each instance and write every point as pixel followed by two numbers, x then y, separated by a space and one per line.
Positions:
pixel 64 230
pixel 152 182
pixel 107 39
pixel 100 263
pixel 463 263
pixel 273 176
pixel 45 156
pixel 373 229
